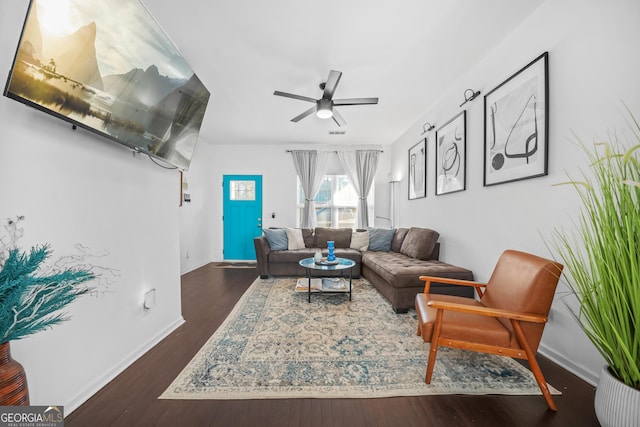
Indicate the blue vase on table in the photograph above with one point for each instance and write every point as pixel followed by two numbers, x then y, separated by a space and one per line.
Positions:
pixel 331 248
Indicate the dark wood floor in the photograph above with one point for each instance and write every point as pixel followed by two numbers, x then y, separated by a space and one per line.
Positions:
pixel 209 294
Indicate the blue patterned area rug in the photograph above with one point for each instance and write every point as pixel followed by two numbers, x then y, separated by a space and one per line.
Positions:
pixel 275 344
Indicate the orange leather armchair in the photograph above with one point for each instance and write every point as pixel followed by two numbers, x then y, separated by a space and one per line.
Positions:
pixel 507 320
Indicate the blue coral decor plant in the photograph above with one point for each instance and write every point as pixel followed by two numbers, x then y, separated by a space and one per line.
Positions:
pixel 30 300
pixel 32 296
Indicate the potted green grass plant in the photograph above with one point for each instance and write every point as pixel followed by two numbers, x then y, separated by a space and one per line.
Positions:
pixel 602 259
pixel 30 301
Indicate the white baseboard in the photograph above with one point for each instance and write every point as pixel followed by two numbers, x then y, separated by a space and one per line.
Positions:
pixel 92 389
pixel 578 370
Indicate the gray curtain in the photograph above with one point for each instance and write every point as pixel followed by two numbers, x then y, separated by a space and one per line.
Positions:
pixel 361 166
pixel 310 167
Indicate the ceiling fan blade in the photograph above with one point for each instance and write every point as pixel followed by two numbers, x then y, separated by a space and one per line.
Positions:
pixel 337 117
pixel 355 101
pixel 305 114
pixel 291 95
pixel 330 85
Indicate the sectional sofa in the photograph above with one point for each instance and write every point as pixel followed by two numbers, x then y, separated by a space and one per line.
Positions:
pixel 392 260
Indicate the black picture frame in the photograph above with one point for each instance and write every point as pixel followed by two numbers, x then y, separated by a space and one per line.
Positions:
pixel 451 155
pixel 417 172
pixel 516 125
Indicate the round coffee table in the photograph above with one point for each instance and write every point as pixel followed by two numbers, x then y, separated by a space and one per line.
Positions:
pixel 310 265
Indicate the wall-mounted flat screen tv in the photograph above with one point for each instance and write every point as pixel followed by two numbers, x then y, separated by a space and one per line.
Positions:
pixel 107 66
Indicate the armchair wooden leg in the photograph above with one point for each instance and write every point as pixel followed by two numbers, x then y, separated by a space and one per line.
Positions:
pixel 418 304
pixel 533 363
pixel 434 346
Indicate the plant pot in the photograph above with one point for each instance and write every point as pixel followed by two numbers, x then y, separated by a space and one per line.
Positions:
pixel 13 380
pixel 616 404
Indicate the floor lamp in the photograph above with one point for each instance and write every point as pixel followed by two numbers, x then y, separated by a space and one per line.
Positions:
pixel 393 203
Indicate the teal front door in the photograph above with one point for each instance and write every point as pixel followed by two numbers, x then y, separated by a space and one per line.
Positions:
pixel 242 215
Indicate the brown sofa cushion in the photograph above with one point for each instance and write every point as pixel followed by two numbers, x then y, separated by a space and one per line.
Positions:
pixel 419 243
pixel 309 238
pixel 398 238
pixel 341 237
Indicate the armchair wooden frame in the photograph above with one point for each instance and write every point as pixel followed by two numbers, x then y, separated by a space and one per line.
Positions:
pixel 515 318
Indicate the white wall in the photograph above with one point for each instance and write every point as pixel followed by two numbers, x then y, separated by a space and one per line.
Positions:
pixel 278 185
pixel 593 64
pixel 279 180
pixel 197 221
pixel 75 187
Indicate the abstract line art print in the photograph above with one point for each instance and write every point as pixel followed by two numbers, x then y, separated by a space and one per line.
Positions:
pixel 516 125
pixel 418 170
pixel 451 154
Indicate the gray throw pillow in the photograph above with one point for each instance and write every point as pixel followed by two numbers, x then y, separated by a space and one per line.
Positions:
pixel 277 238
pixel 380 239
pixel 419 243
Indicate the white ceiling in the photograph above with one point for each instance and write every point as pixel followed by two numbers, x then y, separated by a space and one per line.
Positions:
pixel 406 52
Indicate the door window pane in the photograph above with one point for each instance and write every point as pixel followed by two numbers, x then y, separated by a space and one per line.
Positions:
pixel 242 190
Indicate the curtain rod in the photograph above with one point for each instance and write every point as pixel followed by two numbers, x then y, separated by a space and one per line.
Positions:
pixel 335 151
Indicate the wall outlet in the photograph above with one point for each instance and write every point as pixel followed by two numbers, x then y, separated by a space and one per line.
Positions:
pixel 150 299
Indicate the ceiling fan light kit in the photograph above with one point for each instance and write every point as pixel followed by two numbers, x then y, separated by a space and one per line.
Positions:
pixel 324 106
pixel 324 109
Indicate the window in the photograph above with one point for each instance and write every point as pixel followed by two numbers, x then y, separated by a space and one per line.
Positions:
pixel 336 203
pixel 242 190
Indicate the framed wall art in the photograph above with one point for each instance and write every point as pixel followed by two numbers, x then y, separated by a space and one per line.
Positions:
pixel 451 155
pixel 418 170
pixel 516 125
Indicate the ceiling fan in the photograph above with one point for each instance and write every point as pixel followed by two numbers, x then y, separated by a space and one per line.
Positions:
pixel 324 107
